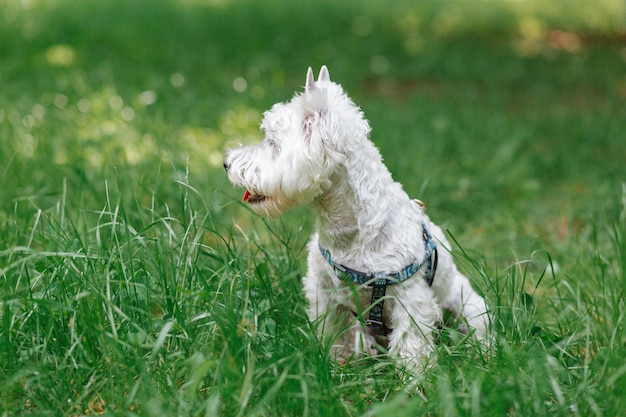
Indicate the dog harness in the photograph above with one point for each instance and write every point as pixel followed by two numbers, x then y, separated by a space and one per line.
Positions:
pixel 379 280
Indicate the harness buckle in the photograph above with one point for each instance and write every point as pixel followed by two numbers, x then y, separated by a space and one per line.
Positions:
pixel 341 272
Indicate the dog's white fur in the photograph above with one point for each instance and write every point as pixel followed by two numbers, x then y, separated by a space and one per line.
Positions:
pixel 316 151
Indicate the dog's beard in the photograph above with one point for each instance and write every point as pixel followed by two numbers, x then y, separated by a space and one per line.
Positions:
pixel 269 206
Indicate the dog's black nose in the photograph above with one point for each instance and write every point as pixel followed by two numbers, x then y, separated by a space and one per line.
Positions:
pixel 226 165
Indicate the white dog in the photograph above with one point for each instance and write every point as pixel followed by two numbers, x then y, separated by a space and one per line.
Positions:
pixel 379 272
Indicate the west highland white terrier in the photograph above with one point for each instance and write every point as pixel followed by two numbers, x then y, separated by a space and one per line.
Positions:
pixel 380 273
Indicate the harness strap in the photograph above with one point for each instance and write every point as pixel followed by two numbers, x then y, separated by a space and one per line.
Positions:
pixel 375 319
pixel 379 280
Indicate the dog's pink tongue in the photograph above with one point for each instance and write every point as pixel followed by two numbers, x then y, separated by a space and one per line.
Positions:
pixel 246 196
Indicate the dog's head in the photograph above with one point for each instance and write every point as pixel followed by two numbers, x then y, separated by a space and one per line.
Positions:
pixel 305 141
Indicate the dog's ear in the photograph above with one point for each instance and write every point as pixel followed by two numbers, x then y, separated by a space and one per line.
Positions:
pixel 315 98
pixel 310 82
pixel 324 76
pixel 314 102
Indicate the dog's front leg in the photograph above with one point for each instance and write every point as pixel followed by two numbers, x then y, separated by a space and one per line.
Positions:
pixel 353 340
pixel 336 324
pixel 414 315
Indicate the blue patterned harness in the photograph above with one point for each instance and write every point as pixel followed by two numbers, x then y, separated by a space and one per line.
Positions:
pixel 379 280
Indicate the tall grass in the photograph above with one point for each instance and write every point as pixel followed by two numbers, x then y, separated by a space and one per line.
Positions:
pixel 173 315
pixel 158 315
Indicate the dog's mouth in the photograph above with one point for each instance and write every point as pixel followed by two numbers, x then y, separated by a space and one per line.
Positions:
pixel 252 197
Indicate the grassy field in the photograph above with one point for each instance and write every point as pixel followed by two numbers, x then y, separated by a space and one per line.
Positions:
pixel 134 284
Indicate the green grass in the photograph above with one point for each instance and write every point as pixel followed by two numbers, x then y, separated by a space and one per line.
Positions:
pixel 134 284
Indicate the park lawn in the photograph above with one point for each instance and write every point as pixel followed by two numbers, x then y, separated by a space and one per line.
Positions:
pixel 134 283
